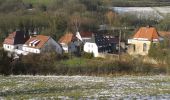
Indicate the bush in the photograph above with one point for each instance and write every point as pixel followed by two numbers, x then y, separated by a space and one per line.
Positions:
pixel 5 63
pixel 52 63
pixel 87 55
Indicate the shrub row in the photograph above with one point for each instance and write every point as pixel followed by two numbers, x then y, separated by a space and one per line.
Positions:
pixel 51 63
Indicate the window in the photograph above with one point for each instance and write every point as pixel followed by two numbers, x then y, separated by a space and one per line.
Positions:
pixel 144 47
pixel 89 45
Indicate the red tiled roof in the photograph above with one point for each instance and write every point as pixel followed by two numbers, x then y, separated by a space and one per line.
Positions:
pixel 67 38
pixel 149 33
pixel 42 40
pixel 10 39
pixel 86 34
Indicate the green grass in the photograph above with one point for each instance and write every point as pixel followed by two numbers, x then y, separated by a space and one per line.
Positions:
pixel 74 62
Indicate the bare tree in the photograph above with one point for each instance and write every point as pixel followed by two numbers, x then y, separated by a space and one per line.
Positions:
pixel 75 22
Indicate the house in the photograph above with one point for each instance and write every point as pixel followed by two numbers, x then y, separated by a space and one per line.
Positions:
pixel 41 43
pixel 14 42
pixel 102 43
pixel 68 42
pixel 142 39
pixel 20 43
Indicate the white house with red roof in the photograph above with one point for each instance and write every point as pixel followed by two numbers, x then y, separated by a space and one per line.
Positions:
pixel 19 43
pixel 142 39
pixel 40 43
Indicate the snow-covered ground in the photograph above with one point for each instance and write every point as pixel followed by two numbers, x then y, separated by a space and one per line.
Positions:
pixel 85 87
pixel 144 12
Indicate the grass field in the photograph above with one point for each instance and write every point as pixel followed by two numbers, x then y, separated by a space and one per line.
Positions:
pixel 84 87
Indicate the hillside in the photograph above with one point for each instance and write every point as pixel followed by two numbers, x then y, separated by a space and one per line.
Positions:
pixel 55 17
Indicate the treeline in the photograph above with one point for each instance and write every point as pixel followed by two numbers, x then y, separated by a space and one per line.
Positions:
pixel 53 18
pixel 46 24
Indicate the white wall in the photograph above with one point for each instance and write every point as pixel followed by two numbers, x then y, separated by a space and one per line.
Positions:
pixel 91 48
pixel 86 39
pixel 17 49
pixel 31 50
pixel 138 45
pixel 8 47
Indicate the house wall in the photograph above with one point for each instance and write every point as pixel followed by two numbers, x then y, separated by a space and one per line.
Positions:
pixel 136 47
pixel 91 48
pixel 86 39
pixel 12 48
pixel 8 47
pixel 64 47
pixel 72 47
pixel 30 50
pixel 17 49
pixel 52 45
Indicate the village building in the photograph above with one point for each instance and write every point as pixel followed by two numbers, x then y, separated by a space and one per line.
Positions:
pixel 68 43
pixel 14 42
pixel 142 39
pixel 21 43
pixel 40 43
pixel 102 44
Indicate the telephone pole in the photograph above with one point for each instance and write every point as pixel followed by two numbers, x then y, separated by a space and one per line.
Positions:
pixel 120 33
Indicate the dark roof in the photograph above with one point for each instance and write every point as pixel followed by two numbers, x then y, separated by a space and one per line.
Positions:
pixel 103 40
pixel 17 37
pixel 86 34
pixel 106 42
